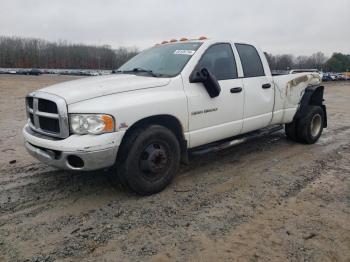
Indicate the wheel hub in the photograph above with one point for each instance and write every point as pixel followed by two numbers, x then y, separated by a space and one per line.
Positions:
pixel 316 124
pixel 154 159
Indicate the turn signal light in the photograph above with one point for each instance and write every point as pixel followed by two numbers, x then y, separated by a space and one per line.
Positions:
pixel 109 123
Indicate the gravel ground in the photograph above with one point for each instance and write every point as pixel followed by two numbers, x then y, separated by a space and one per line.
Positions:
pixel 267 200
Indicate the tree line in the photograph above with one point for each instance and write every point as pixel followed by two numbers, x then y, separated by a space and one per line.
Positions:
pixel 17 52
pixel 338 62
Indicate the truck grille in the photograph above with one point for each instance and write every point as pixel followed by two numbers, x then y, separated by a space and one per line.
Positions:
pixel 47 114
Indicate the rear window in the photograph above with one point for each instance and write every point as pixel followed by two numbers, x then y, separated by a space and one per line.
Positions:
pixel 251 62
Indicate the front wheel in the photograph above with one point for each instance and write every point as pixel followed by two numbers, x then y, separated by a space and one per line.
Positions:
pixel 148 159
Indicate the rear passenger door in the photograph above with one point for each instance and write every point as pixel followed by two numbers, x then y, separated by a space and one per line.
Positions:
pixel 258 87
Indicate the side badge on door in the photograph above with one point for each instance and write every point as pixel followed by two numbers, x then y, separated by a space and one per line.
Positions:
pixel 205 111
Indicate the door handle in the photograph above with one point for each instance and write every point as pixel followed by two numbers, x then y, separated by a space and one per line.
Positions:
pixel 265 86
pixel 236 90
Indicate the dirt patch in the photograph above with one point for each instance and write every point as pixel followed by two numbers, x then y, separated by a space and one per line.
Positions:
pixel 266 200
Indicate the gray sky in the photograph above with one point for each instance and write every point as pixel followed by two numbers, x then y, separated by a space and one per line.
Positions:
pixel 278 26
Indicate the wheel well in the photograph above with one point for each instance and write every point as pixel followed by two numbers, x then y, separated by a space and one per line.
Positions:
pixel 317 96
pixel 168 121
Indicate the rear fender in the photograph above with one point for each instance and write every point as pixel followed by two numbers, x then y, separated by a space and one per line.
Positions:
pixel 313 95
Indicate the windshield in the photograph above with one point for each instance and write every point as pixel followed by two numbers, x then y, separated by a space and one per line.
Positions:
pixel 163 60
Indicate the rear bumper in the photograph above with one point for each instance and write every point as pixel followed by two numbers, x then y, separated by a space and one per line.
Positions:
pixel 81 153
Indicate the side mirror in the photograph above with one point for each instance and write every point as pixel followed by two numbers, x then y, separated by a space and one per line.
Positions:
pixel 209 81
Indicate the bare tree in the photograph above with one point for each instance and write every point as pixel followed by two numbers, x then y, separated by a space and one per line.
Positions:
pixel 286 62
pixel 37 53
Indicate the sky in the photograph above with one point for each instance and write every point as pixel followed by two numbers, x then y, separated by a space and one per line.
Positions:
pixel 299 27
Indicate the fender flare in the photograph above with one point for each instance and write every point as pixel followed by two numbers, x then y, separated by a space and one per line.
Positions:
pixel 169 121
pixel 313 95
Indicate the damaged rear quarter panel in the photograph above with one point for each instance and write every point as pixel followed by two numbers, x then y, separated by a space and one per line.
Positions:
pixel 289 90
pixel 289 95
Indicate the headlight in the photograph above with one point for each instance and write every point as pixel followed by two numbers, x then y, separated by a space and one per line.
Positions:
pixel 91 124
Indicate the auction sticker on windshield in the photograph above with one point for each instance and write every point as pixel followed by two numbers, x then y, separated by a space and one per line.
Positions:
pixel 184 52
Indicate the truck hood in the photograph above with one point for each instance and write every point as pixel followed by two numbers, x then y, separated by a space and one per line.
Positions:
pixel 92 87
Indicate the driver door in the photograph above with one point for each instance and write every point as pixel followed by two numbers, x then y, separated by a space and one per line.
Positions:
pixel 212 119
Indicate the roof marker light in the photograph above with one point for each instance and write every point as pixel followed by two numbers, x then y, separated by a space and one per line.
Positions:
pixel 202 38
pixel 164 42
pixel 183 39
pixel 173 40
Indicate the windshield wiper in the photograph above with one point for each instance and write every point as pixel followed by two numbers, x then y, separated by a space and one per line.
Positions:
pixel 139 70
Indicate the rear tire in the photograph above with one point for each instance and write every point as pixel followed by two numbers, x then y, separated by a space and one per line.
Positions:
pixel 310 126
pixel 291 131
pixel 148 159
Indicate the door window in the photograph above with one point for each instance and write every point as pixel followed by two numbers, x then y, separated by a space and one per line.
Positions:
pixel 220 61
pixel 251 62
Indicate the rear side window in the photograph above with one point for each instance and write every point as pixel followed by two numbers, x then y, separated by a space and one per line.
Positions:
pixel 220 61
pixel 251 62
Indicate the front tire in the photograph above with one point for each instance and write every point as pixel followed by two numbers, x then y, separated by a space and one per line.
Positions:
pixel 148 160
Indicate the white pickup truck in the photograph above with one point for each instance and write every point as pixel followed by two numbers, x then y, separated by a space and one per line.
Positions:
pixel 171 100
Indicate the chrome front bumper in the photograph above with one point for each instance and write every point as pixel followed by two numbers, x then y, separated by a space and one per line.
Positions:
pixel 81 153
pixel 92 160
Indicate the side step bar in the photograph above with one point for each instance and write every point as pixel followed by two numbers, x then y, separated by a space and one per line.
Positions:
pixel 216 146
